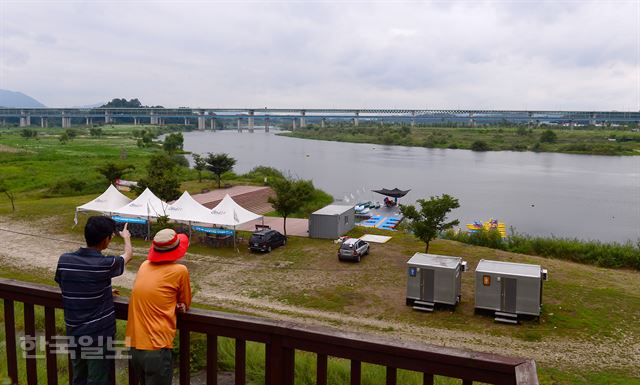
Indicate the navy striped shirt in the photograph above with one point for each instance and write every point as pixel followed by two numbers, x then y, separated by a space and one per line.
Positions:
pixel 85 280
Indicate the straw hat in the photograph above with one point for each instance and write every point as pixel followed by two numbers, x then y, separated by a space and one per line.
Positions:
pixel 168 246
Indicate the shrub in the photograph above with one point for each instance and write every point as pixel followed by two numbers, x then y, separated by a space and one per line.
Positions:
pixel 70 186
pixel 548 136
pixel 479 145
pixel 613 255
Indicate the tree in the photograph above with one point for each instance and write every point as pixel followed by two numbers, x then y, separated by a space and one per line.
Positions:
pixel 12 197
pixel 173 142
pixel 430 219
pixel 548 136
pixel 219 164
pixel 291 195
pixel 200 165
pixel 161 177
pixel 113 171
pixel 28 133
pixel 122 103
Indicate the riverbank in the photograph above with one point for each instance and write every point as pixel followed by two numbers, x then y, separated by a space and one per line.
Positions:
pixel 561 140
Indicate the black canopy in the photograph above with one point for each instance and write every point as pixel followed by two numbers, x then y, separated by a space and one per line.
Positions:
pixel 395 193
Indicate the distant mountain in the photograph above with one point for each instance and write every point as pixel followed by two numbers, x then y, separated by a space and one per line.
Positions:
pixel 17 100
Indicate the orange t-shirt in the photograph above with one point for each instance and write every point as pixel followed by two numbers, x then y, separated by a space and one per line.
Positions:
pixel 152 317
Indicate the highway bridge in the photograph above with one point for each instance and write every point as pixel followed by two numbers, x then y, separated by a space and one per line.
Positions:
pixel 300 117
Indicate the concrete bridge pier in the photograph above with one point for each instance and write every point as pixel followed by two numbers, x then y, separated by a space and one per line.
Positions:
pixel 293 124
pixel 186 121
pixel 413 119
pixel 303 123
pixel 593 121
pixel 323 122
pixel 3 122
pixel 355 119
pixel 88 121
pixel 136 121
pixel 213 124
pixel 251 112
pixel 107 117
pixel 239 124
pixel 66 121
pixel 530 119
pixel 202 122
pixel 153 119
pixel 44 122
pixel 25 120
pixel 266 124
pixel 472 121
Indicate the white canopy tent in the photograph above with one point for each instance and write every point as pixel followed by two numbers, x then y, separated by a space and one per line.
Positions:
pixel 188 210
pixel 106 203
pixel 229 213
pixel 146 205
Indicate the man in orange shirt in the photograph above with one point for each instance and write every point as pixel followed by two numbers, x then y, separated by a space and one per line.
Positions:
pixel 161 289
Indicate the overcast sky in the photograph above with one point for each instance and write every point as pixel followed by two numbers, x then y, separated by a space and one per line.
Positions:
pixel 465 54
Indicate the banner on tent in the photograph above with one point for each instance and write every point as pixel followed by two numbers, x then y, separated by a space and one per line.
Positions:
pixel 212 230
pixel 128 220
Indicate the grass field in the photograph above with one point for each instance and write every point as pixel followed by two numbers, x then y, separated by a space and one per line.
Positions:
pixel 573 141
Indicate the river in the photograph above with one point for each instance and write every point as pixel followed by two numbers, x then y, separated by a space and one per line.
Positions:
pixel 582 196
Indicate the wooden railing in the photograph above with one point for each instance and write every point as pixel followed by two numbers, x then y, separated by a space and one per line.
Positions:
pixel 281 339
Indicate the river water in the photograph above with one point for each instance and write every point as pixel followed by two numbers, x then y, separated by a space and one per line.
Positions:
pixel 583 196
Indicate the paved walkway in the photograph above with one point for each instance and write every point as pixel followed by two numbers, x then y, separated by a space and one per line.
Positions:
pixel 252 198
pixel 218 194
pixel 295 226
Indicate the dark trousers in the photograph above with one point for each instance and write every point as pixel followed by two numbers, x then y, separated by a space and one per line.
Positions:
pixel 152 367
pixel 93 365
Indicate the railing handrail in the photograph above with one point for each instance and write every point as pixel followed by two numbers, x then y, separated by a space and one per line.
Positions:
pixel 486 367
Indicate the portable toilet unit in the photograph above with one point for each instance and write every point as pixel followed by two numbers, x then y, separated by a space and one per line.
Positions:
pixel 509 289
pixel 332 221
pixel 433 279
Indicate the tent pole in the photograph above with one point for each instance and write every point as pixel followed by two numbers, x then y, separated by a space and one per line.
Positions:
pixel 234 238
pixel 148 228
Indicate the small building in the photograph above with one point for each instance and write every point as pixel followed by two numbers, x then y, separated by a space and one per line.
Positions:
pixel 434 279
pixel 509 289
pixel 332 221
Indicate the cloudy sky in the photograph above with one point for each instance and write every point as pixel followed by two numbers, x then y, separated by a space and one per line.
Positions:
pixel 462 54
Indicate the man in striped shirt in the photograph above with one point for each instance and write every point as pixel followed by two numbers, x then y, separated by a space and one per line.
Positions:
pixel 84 277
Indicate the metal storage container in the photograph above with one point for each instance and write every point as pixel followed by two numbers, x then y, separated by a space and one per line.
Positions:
pixel 509 289
pixel 433 279
pixel 332 221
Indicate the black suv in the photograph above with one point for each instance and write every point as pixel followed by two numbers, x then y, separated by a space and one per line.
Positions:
pixel 265 240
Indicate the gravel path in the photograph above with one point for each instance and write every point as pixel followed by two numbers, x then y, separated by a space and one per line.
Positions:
pixel 20 249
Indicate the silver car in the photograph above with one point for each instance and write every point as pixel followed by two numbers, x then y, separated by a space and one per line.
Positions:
pixel 353 249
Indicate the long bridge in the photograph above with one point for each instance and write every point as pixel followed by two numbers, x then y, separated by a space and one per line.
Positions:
pixel 247 117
